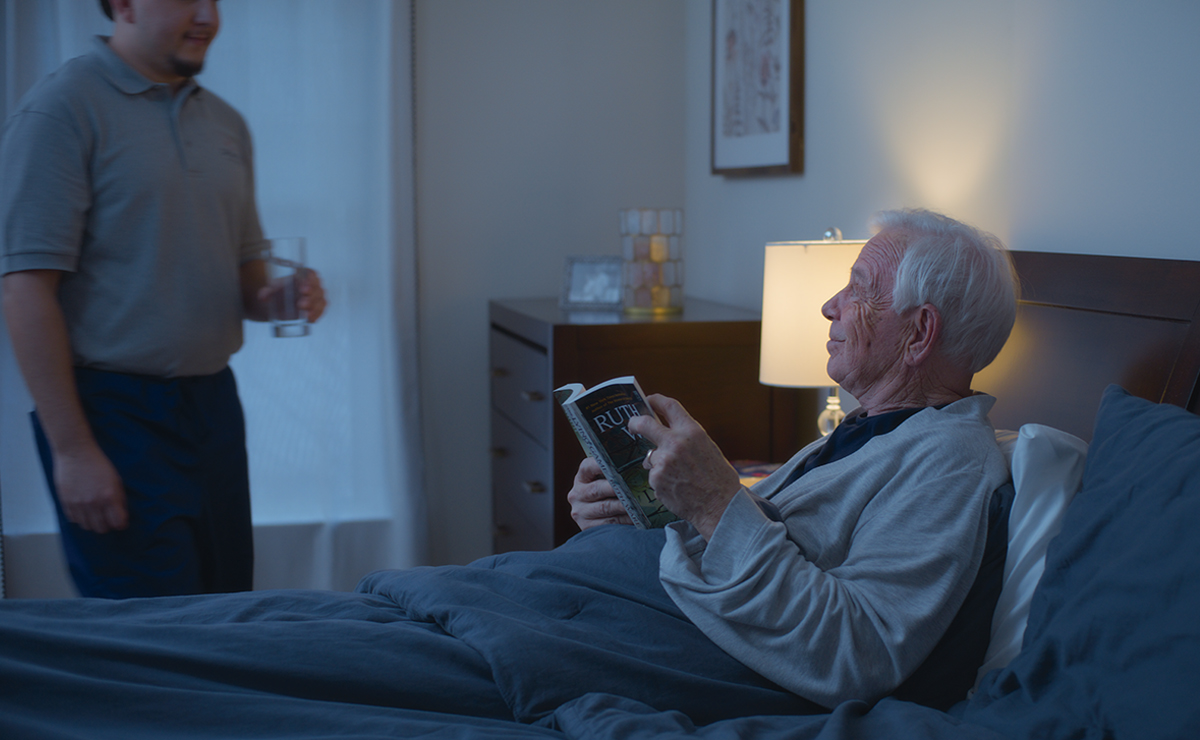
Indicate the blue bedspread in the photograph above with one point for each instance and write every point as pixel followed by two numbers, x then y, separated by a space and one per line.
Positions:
pixel 509 637
pixel 601 717
pixel 590 616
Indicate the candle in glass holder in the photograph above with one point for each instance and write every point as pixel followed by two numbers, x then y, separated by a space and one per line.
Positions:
pixel 652 249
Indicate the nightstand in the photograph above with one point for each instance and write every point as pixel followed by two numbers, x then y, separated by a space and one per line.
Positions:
pixel 706 357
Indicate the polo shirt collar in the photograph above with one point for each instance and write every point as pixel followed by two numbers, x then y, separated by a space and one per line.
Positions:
pixel 121 75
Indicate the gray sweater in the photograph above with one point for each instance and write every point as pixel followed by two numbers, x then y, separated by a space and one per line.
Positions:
pixel 145 199
pixel 847 595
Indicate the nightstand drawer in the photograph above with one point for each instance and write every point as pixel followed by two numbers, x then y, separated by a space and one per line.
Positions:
pixel 521 385
pixel 522 500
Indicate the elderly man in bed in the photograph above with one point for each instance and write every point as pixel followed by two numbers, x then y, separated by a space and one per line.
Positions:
pixel 838 578
pixel 838 575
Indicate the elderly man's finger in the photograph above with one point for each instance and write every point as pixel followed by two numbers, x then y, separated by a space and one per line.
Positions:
pixel 648 427
pixel 671 412
pixel 590 492
pixel 589 471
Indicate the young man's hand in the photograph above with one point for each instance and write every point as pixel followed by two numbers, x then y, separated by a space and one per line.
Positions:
pixel 90 490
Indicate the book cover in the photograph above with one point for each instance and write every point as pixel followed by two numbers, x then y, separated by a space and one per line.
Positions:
pixel 599 416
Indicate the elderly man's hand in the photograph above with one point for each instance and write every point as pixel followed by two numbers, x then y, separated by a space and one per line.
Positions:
pixel 593 501
pixel 687 470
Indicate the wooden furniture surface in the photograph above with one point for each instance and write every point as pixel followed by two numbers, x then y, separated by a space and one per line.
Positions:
pixel 1085 321
pixel 706 357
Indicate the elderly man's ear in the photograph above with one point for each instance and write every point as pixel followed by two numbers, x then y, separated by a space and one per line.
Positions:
pixel 926 326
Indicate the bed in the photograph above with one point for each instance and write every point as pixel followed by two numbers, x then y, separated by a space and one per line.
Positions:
pixel 1102 639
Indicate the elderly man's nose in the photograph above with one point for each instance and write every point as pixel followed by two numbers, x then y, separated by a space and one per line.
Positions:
pixel 828 309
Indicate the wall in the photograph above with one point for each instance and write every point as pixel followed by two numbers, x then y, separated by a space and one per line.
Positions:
pixel 536 121
pixel 1059 125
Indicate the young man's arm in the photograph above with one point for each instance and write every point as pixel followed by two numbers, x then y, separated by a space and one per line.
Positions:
pixel 252 276
pixel 89 487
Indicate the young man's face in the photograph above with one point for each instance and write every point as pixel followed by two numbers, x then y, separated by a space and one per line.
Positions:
pixel 169 37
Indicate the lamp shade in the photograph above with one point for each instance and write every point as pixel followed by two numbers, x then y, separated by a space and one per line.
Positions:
pixel 798 278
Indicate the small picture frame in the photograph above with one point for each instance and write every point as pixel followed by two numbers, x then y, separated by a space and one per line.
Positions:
pixel 592 284
pixel 758 87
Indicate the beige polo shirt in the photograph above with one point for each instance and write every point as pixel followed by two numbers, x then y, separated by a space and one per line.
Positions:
pixel 146 199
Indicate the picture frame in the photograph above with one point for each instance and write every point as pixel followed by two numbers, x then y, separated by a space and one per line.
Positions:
pixel 757 87
pixel 592 284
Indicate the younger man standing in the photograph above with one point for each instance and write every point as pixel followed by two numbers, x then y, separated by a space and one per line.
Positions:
pixel 132 251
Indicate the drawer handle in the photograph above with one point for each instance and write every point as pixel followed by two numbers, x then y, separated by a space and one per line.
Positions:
pixel 533 395
pixel 533 486
pixel 499 372
pixel 499 452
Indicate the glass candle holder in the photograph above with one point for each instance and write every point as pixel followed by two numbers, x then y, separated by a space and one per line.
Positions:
pixel 652 250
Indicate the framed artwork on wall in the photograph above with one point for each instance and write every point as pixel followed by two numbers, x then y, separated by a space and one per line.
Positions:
pixel 758 87
pixel 592 283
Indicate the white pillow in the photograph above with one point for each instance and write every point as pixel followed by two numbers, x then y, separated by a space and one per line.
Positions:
pixel 1047 470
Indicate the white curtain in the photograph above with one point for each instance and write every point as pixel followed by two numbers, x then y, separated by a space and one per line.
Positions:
pixel 332 418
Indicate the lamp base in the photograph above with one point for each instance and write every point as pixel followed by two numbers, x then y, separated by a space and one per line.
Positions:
pixel 828 420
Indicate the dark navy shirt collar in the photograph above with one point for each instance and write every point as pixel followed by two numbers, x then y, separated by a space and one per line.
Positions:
pixel 849 437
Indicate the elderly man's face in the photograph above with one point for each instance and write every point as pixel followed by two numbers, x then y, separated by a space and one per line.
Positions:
pixel 866 336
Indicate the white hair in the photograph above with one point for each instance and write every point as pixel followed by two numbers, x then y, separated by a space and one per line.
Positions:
pixel 962 271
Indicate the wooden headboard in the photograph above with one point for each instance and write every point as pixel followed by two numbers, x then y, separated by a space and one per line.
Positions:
pixel 1085 321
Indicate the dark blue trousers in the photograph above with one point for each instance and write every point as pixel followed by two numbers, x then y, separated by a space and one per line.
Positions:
pixel 179 445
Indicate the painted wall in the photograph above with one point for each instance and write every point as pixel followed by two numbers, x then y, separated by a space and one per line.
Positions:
pixel 1057 124
pixel 537 120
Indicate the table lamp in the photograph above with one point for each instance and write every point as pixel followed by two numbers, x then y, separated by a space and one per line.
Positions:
pixel 798 278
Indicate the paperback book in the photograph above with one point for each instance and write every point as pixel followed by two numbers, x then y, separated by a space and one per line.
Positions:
pixel 599 416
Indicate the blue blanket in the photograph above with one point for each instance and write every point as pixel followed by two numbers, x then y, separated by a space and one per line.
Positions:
pixel 590 616
pixel 510 637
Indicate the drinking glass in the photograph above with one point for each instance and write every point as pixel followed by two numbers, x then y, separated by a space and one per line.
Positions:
pixel 285 270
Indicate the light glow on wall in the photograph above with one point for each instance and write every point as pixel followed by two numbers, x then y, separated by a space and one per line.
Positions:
pixel 941 100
